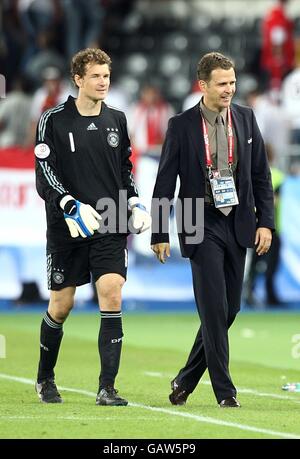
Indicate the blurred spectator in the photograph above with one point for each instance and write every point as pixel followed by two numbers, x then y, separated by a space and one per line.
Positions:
pixel 54 91
pixel 46 56
pixel 11 41
pixel 291 98
pixel 83 21
pixel 193 98
pixel 271 122
pixel 117 98
pixel 277 55
pixel 148 121
pixel 14 120
pixel 2 44
pixel 36 17
pixel 267 263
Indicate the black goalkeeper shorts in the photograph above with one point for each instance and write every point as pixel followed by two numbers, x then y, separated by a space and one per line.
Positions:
pixel 74 267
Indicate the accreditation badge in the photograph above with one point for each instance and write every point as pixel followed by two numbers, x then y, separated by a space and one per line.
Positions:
pixel 223 190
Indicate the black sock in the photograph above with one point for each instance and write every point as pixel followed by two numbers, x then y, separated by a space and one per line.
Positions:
pixel 110 345
pixel 50 339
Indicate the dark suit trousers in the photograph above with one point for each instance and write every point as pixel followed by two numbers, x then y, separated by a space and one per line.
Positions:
pixel 218 271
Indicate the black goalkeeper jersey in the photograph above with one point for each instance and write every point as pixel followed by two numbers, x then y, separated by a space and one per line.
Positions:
pixel 87 157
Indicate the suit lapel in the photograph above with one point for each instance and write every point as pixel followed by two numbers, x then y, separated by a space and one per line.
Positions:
pixel 196 135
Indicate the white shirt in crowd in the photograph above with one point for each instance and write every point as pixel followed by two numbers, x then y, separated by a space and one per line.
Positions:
pixel 291 98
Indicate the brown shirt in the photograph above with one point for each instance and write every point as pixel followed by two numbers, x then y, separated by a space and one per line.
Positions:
pixel 210 118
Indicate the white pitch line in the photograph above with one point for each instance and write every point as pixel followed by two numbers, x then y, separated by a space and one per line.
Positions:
pixel 209 420
pixel 204 419
pixel 32 382
pixel 240 390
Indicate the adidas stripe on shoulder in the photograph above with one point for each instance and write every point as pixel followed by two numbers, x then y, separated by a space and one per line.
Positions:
pixel 44 118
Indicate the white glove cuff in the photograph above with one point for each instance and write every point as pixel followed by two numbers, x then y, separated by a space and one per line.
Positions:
pixel 64 201
pixel 133 202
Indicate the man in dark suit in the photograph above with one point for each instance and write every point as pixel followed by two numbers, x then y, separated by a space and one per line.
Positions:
pixel 217 151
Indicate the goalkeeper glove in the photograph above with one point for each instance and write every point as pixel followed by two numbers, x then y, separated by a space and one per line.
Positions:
pixel 81 219
pixel 140 218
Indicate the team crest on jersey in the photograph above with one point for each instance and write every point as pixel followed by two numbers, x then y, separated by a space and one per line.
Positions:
pixel 113 139
pixel 42 151
pixel 58 277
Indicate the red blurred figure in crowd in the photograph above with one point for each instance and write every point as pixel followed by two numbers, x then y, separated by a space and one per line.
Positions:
pixel 148 121
pixel 54 91
pixel 278 48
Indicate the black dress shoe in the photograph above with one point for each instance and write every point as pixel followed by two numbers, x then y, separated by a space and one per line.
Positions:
pixel 178 395
pixel 108 396
pixel 230 402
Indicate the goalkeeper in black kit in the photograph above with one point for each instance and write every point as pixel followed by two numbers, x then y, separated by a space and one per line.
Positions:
pixel 83 167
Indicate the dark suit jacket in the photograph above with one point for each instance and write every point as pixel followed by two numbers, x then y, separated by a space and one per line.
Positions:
pixel 183 154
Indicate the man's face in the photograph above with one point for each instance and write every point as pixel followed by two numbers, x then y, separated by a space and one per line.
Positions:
pixel 219 90
pixel 95 83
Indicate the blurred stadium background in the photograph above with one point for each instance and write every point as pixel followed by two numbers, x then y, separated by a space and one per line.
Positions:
pixel 155 46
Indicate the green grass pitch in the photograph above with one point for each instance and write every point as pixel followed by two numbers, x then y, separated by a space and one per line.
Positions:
pixel 263 357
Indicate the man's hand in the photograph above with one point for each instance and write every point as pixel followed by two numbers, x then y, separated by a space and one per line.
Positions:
pixel 81 219
pixel 263 239
pixel 161 250
pixel 140 218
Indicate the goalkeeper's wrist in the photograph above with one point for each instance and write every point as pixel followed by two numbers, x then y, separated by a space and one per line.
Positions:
pixel 69 205
pixel 139 206
pixel 68 199
pixel 135 202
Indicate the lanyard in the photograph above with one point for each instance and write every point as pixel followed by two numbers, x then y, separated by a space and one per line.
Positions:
pixel 230 141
